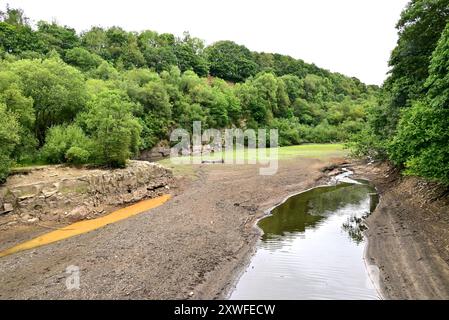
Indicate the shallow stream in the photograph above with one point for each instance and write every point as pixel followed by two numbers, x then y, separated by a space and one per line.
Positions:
pixel 313 247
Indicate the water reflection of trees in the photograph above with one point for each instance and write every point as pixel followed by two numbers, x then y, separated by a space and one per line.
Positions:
pixel 309 209
pixel 354 226
pixel 329 202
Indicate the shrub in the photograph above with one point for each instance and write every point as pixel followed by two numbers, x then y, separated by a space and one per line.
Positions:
pixel 421 143
pixel 9 138
pixel 322 133
pixel 366 144
pixel 77 155
pixel 60 139
pixel 114 131
pixel 288 131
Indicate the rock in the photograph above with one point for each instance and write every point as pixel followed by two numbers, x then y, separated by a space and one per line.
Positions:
pixel 196 150
pixel 79 213
pixel 334 172
pixel 49 193
pixel 75 197
pixel 26 197
pixel 26 217
pixel 156 153
pixel 33 220
pixel 7 207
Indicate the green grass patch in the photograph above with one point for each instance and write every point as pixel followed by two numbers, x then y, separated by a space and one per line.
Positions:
pixel 312 151
pixel 319 151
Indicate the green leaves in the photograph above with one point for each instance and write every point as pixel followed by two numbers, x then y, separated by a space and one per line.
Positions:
pixel 9 138
pixel 422 139
pixel 410 126
pixel 55 37
pixel 60 139
pixel 230 61
pixel 438 81
pixel 82 59
pixel 101 96
pixel 420 28
pixel 18 39
pixel 190 56
pixel 22 107
pixel 57 90
pixel 114 131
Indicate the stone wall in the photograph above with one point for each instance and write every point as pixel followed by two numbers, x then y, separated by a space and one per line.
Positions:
pixel 162 151
pixel 58 193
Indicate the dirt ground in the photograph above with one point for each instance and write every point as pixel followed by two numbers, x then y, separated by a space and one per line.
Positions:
pixel 195 245
pixel 408 235
pixel 191 247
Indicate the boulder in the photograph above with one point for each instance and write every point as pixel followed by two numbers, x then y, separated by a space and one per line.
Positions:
pixel 8 207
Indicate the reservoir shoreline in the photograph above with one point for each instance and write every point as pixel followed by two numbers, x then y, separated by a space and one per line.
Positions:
pixel 197 244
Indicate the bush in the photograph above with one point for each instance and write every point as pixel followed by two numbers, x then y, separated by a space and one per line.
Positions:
pixel 77 155
pixel 60 139
pixel 114 131
pixel 421 143
pixel 288 131
pixel 322 133
pixel 366 144
pixel 9 138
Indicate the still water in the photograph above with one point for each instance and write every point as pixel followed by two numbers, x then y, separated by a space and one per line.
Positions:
pixel 313 247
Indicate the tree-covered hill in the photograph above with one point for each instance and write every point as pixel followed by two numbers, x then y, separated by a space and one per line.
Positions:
pixel 105 94
pixel 410 126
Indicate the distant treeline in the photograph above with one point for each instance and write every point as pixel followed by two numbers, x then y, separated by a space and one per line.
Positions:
pixel 105 94
pixel 410 126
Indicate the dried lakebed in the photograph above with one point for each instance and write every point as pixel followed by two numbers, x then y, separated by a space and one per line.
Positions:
pixel 313 247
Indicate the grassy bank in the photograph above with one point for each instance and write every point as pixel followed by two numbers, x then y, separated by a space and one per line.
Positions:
pixel 316 151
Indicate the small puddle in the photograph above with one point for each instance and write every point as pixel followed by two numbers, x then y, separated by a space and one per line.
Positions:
pixel 313 247
pixel 87 225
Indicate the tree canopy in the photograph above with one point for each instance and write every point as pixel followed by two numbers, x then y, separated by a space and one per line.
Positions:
pixel 102 96
pixel 409 126
pixel 230 61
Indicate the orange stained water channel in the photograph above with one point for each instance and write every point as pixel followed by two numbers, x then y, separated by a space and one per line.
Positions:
pixel 88 225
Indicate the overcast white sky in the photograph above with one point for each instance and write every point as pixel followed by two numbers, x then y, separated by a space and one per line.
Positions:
pixel 354 37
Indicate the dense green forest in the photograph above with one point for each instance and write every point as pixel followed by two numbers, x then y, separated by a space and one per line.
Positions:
pixel 103 95
pixel 410 125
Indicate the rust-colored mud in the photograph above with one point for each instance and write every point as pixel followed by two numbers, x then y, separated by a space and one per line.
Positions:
pixel 88 225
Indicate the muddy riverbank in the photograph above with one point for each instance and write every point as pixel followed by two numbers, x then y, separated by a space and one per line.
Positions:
pixel 191 247
pixel 408 235
pixel 195 245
